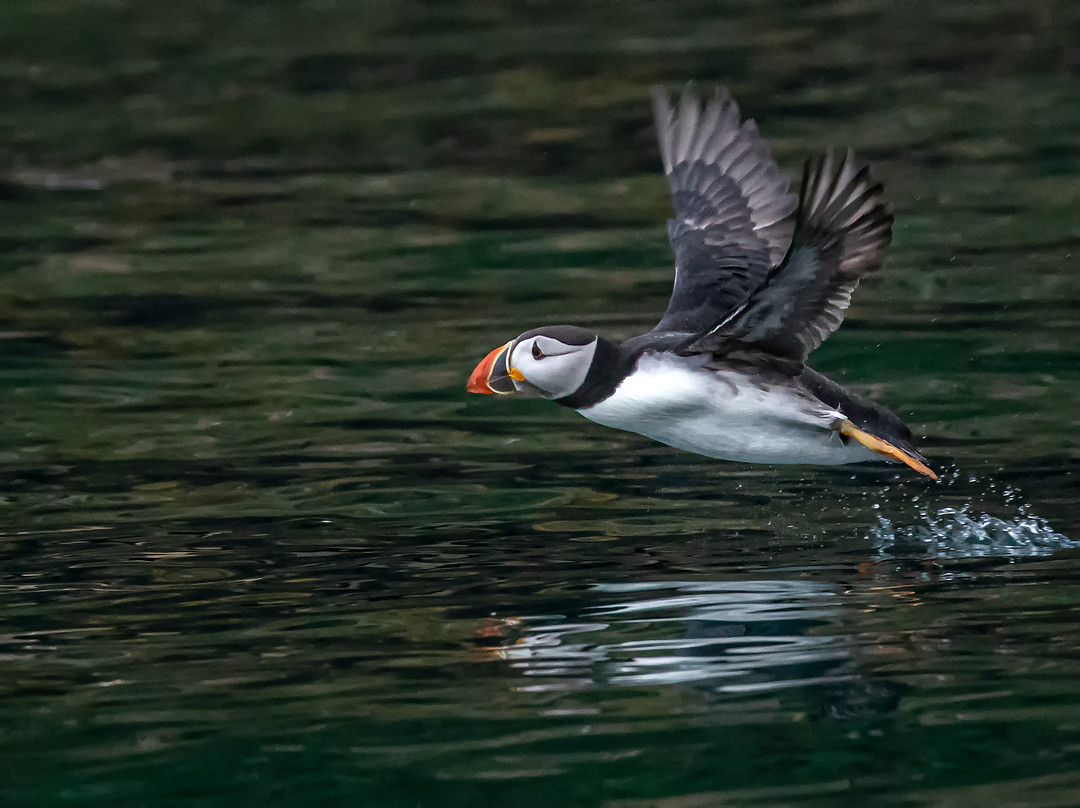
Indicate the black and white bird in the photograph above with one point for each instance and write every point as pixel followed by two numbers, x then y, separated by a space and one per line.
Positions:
pixel 761 279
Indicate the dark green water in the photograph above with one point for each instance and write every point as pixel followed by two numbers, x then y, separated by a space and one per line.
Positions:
pixel 257 547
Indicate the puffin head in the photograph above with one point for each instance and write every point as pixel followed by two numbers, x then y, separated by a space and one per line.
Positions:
pixel 549 362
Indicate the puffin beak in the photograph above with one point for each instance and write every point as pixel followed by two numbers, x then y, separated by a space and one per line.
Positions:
pixel 492 375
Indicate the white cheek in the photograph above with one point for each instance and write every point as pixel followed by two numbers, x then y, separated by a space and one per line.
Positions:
pixel 555 375
pixel 544 373
pixel 561 375
pixel 533 371
pixel 535 384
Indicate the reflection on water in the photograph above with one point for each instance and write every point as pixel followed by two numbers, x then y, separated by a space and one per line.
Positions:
pixel 715 639
pixel 730 637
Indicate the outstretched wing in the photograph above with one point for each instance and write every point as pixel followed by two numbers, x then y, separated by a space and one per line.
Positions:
pixel 843 229
pixel 732 207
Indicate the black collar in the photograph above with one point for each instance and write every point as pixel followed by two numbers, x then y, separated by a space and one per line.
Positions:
pixel 610 365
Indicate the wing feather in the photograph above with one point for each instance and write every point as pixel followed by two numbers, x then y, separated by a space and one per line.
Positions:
pixel 843 228
pixel 733 209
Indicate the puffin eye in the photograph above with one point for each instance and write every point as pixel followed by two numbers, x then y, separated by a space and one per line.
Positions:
pixel 536 352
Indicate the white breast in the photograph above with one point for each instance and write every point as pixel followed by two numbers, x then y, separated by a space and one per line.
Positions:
pixel 724 414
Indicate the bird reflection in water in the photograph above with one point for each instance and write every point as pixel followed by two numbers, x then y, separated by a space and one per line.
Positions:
pixel 719 638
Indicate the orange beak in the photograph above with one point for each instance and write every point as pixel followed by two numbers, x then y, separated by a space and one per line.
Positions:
pixel 492 374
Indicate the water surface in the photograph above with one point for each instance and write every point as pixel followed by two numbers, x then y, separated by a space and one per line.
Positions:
pixel 257 546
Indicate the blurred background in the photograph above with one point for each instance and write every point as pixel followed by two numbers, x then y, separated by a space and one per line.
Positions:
pixel 256 544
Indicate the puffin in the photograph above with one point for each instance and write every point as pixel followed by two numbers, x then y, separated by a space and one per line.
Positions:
pixel 762 278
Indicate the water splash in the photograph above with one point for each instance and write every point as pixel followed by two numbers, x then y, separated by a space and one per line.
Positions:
pixel 961 533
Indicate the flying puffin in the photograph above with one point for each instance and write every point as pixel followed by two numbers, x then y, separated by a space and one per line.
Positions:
pixel 761 279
